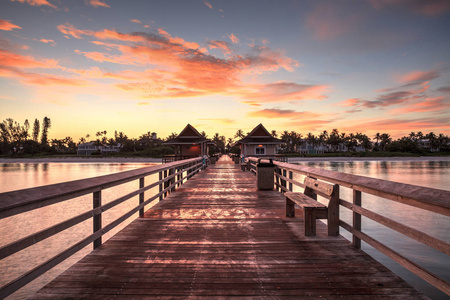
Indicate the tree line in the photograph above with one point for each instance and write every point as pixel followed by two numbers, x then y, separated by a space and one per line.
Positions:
pixel 412 143
pixel 16 138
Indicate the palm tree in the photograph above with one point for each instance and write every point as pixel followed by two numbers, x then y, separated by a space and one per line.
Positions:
pixel 385 140
pixel 274 133
pixel 239 134
pixel 334 139
pixel 377 137
pixel 311 138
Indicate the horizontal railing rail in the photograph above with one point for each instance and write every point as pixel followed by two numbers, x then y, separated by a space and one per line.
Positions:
pixel 433 200
pixel 171 175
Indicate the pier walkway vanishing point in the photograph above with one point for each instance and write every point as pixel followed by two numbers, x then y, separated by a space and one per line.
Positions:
pixel 218 236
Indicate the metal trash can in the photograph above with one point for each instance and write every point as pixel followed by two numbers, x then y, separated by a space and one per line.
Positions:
pixel 212 159
pixel 236 159
pixel 264 175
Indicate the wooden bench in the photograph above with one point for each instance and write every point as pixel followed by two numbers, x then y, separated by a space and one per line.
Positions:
pixel 312 209
pixel 245 165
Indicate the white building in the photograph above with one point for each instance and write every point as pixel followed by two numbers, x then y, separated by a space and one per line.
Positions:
pixel 89 148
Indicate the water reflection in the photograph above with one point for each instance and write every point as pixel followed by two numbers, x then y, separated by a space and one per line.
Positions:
pixel 434 174
pixel 19 176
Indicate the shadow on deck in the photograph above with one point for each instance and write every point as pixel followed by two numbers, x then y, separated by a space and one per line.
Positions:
pixel 218 236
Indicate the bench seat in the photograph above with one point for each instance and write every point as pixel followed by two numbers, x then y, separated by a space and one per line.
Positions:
pixel 312 210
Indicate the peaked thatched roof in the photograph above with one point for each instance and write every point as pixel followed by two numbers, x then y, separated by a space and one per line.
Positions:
pixel 259 135
pixel 189 135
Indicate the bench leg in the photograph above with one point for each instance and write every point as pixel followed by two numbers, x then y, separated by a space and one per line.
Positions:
pixel 290 208
pixel 310 221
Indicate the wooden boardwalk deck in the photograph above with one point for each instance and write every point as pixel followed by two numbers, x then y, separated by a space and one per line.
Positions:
pixel 218 237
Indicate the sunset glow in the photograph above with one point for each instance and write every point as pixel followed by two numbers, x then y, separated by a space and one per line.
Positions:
pixel 137 66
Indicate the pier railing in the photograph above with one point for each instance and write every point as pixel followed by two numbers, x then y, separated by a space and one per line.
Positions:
pixel 171 175
pixel 429 199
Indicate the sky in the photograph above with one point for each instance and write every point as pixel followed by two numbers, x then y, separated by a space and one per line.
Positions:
pixel 221 65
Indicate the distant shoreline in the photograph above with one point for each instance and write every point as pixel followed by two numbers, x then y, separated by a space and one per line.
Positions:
pixel 350 159
pixel 113 160
pixel 80 159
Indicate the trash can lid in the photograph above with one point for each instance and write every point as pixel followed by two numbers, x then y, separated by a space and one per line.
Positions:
pixel 267 165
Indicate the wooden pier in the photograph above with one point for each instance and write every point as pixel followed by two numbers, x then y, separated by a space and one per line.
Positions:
pixel 218 236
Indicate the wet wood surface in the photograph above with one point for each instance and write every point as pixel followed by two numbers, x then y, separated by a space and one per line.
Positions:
pixel 217 236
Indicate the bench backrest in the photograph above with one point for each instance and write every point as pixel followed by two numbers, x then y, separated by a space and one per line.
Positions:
pixel 314 187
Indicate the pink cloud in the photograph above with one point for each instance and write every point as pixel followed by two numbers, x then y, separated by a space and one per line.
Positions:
pixel 190 70
pixel 47 41
pixel 398 127
pixel 36 2
pixel 438 104
pixel 428 7
pixel 234 39
pixel 222 45
pixel 136 21
pixel 12 60
pixel 285 92
pixel 350 102
pixel 282 113
pixel 97 3
pixel 418 77
pixel 263 59
pixel 329 21
pixel 207 4
pixel 7 25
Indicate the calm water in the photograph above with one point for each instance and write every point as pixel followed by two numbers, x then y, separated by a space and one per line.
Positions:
pixel 20 176
pixel 435 174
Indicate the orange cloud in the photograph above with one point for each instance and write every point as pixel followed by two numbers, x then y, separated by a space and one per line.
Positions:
pixel 7 25
pixel 233 38
pixel 46 41
pixel 350 102
pixel 136 21
pixel 220 121
pixel 97 3
pixel 285 91
pixel 183 70
pixel 263 59
pixel 36 2
pixel 13 60
pixel 222 45
pixel 207 4
pixel 282 113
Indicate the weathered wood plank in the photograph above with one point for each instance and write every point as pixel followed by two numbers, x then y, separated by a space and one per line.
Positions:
pixel 217 236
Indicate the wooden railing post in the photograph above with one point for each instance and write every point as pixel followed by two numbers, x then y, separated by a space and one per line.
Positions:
pixel 277 179
pixel 97 220
pixel 333 212
pixel 141 196
pixel 166 182
pixel 291 176
pixel 283 182
pixel 172 180
pixel 356 218
pixel 160 185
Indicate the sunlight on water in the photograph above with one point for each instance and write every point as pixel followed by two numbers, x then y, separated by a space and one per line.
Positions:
pixel 434 174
